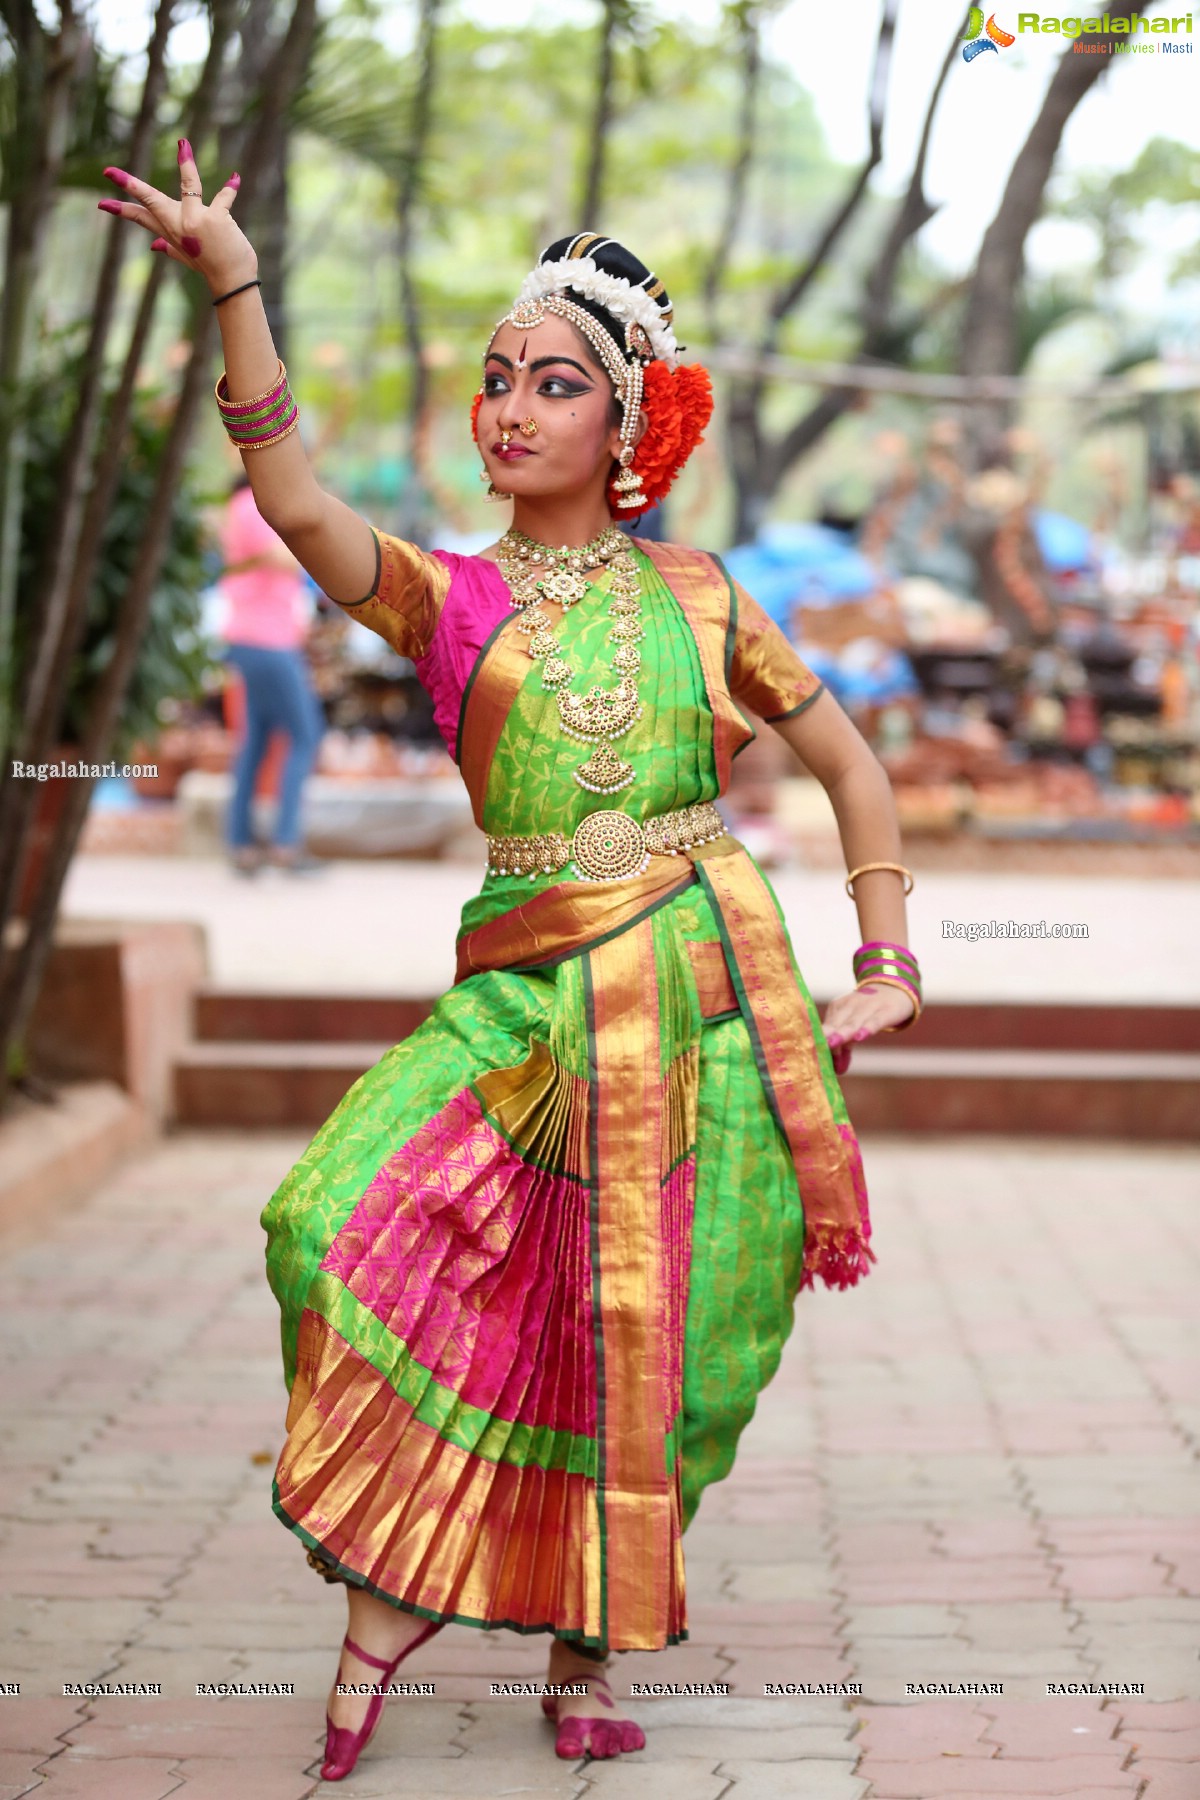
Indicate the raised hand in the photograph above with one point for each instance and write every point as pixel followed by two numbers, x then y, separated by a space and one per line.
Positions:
pixel 205 238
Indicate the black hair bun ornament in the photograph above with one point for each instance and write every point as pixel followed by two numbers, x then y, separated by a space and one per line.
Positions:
pixel 615 287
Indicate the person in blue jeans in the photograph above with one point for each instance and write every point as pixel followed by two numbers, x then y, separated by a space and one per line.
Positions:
pixel 265 627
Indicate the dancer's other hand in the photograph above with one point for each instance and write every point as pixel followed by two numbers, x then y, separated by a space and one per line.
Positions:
pixel 853 1018
pixel 205 238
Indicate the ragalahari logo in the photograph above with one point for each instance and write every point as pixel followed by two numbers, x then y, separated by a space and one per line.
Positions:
pixel 974 43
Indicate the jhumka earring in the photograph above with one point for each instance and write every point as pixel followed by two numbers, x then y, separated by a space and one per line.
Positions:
pixel 628 485
pixel 528 427
pixel 493 492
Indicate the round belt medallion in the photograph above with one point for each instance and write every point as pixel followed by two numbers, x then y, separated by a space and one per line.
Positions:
pixel 608 845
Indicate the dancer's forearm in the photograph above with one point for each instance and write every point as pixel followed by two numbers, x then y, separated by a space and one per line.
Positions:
pixel 323 533
pixel 286 491
pixel 865 810
pixel 831 746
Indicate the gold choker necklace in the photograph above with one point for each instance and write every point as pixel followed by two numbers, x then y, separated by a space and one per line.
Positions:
pixel 536 572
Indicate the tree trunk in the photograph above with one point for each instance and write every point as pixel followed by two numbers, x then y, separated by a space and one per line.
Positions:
pixel 614 14
pixel 989 322
pixel 758 483
pixel 45 70
pixel 22 971
pixel 415 524
pixel 48 611
pixel 749 30
pixel 41 726
pixel 747 442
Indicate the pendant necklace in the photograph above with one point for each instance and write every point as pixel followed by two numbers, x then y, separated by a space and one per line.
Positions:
pixel 536 572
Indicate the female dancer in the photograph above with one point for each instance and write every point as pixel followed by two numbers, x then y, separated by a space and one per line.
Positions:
pixel 538 1264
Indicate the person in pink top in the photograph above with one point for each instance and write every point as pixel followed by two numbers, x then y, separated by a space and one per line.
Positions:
pixel 265 626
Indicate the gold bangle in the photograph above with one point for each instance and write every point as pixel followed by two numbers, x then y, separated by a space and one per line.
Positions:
pixel 225 403
pixel 865 869
pixel 904 987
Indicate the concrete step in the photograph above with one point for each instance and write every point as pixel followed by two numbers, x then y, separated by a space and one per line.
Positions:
pixel 1152 1096
pixel 227 1015
pixel 1022 1025
pixel 1092 1094
pixel 267 1084
pixel 231 1016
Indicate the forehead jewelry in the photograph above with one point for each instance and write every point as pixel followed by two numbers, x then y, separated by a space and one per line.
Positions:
pixel 528 428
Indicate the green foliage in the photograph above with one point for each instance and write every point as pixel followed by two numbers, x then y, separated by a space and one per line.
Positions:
pixel 510 108
pixel 173 657
pixel 1166 172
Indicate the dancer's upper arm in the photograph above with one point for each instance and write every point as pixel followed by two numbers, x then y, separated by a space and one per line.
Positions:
pixel 387 584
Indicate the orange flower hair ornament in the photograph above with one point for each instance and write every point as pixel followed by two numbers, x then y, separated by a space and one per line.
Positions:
pixel 678 404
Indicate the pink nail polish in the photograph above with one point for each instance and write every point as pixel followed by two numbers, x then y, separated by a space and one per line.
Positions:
pixel 159 244
pixel 185 151
pixel 860 1035
pixel 191 246
pixel 119 176
pixel 109 206
pixel 235 180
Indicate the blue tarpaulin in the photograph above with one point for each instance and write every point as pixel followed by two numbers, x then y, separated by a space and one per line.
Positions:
pixel 1065 544
pixel 800 565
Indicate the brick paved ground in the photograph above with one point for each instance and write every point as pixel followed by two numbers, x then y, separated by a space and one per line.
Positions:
pixel 977 1468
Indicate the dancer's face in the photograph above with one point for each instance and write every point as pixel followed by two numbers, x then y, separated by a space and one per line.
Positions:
pixel 548 373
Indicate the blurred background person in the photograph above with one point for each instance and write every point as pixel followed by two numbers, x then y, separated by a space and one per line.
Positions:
pixel 266 622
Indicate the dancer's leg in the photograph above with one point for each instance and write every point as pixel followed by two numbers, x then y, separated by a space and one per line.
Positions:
pixel 383 1630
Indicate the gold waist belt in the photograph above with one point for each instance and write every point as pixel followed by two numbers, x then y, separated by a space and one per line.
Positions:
pixel 606 846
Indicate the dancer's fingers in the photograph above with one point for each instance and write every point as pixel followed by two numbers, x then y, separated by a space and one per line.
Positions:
pixel 127 209
pixel 141 193
pixel 191 195
pixel 160 244
pixel 225 198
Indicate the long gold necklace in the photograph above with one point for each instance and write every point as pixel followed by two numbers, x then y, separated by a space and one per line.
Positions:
pixel 536 572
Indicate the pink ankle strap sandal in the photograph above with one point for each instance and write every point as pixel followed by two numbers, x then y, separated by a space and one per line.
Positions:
pixel 343 1747
pixel 609 1737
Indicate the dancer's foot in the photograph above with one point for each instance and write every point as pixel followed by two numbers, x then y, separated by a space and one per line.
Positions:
pixel 246 860
pixel 384 1638
pixel 590 1724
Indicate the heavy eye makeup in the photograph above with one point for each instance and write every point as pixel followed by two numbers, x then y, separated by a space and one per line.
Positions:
pixel 555 386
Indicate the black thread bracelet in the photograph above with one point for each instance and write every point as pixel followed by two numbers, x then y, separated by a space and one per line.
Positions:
pixel 229 296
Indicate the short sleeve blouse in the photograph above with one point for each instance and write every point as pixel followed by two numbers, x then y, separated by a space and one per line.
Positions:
pixel 765 673
pixel 406 599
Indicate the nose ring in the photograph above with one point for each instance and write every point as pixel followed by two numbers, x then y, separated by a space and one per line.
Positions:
pixel 529 427
pixel 505 439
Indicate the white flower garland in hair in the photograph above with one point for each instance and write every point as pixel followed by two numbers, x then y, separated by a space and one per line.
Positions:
pixel 617 295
